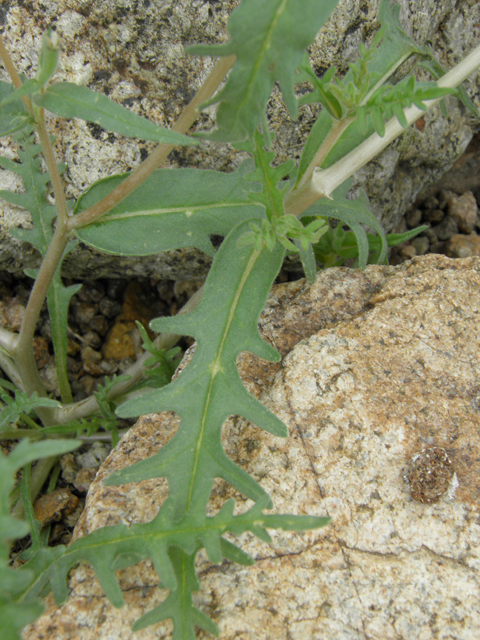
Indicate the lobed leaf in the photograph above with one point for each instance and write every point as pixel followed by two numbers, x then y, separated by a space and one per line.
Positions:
pixel 69 100
pixel 224 324
pixel 269 38
pixel 172 546
pixel 23 403
pixel 391 100
pixel 34 199
pixel 174 208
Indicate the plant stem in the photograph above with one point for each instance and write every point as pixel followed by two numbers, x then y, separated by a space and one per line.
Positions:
pixel 324 181
pixel 323 150
pixel 57 185
pixel 12 72
pixel 159 154
pixel 23 350
pixel 8 366
pixel 37 480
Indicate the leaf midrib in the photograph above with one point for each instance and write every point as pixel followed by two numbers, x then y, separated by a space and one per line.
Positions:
pixel 216 368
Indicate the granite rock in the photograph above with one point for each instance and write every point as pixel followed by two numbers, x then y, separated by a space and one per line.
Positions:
pixel 134 52
pixel 379 386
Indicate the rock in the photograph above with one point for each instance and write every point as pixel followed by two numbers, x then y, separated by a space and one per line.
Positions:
pixel 94 457
pixel 421 245
pixel 53 506
pixel 11 313
pixel 463 209
pixel 134 53
pixel 408 251
pixel 379 385
pixel 413 218
pixel 446 229
pixel 461 246
pixel 40 351
pixel 434 216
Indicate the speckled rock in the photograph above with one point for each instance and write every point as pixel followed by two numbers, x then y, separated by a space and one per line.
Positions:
pixel 133 51
pixel 379 386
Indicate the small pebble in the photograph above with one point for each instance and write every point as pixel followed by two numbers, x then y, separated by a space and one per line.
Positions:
pixel 84 312
pixel 446 229
pixel 94 457
pixel 421 245
pixel 430 203
pixel 461 246
pixel 13 312
pixel 99 324
pixel 109 308
pixel 69 467
pixel 434 215
pixel 91 291
pixel 40 351
pixel 463 209
pixel 92 339
pixel 408 251
pixel 84 479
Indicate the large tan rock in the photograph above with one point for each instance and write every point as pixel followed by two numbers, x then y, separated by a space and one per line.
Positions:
pixel 134 52
pixel 379 386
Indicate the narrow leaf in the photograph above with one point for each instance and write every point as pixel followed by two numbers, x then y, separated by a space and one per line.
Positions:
pixel 58 300
pixel 69 100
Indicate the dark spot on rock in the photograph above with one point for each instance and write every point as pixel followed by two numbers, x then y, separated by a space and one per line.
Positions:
pixel 101 74
pixel 429 474
pixel 96 130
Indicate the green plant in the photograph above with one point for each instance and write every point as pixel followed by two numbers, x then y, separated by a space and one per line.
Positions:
pixel 263 210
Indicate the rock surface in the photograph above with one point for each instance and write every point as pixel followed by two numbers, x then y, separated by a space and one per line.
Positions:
pixel 133 52
pixel 379 386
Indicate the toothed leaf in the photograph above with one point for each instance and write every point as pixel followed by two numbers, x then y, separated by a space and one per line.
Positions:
pixel 269 38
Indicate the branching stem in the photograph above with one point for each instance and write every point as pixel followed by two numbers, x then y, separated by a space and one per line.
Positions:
pixel 323 150
pixel 324 181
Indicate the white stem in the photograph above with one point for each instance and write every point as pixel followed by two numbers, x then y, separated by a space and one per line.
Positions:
pixel 8 340
pixel 325 181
